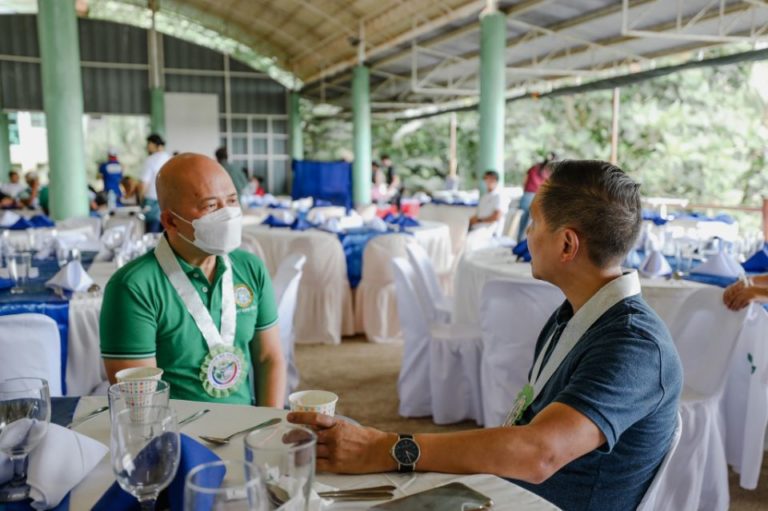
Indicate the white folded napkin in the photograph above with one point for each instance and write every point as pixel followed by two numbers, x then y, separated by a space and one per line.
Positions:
pixel 61 460
pixel 655 265
pixel 720 265
pixel 8 218
pixel 351 222
pixel 376 224
pixel 284 215
pixel 332 224
pixel 71 277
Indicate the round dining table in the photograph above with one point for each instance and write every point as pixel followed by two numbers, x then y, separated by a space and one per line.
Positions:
pixel 478 267
pixel 224 419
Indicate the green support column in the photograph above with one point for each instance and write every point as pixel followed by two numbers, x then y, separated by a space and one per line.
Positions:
pixel 5 147
pixel 63 104
pixel 294 119
pixel 361 118
pixel 157 110
pixel 492 88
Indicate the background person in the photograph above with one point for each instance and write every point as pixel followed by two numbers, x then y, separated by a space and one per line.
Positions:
pixel 535 176
pixel 157 157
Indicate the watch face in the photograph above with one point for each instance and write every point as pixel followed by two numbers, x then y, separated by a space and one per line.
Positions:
pixel 406 451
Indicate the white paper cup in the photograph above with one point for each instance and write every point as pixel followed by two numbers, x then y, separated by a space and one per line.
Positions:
pixel 318 401
pixel 139 384
pixel 139 373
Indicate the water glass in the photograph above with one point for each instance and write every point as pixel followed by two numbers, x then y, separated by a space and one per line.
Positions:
pixel 18 269
pixel 136 395
pixel 145 452
pixel 25 411
pixel 225 486
pixel 285 455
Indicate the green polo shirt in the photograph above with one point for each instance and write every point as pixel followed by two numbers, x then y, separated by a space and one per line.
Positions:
pixel 142 316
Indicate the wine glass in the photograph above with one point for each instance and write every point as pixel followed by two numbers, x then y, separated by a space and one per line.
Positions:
pixel 25 411
pixel 225 486
pixel 18 269
pixel 285 454
pixel 146 449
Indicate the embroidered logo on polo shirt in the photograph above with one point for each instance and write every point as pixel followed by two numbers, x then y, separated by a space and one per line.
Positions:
pixel 243 296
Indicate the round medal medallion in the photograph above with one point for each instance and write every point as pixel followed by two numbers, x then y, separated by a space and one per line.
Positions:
pixel 223 371
pixel 243 296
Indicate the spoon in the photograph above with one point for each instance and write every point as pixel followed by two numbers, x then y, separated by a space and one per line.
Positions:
pixel 225 440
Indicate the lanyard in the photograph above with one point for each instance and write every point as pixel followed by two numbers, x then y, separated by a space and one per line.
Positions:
pixel 609 295
pixel 193 303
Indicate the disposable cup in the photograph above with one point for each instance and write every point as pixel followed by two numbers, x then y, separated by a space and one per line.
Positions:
pixel 318 401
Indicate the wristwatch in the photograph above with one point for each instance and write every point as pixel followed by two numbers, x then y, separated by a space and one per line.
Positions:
pixel 406 453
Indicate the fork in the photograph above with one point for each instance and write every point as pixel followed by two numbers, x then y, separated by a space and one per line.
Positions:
pixel 225 440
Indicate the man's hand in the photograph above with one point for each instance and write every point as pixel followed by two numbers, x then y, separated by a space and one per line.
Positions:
pixel 738 295
pixel 344 448
pixel 473 220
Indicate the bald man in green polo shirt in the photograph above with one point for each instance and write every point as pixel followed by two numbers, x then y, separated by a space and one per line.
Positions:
pixel 197 306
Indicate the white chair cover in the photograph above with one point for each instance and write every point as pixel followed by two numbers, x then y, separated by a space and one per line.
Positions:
pixel 31 347
pixel 457 218
pixel 706 335
pixel 413 387
pixel 286 284
pixel 94 224
pixel 250 243
pixel 509 340
pixel 437 305
pixel 455 353
pixel 512 223
pixel 649 499
pixel 85 368
pixel 133 224
pixel 326 212
pixel 375 305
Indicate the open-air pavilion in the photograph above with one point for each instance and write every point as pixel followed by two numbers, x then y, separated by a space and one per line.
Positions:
pixel 238 74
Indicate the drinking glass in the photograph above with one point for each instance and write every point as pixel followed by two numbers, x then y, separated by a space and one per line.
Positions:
pixel 145 452
pixel 135 395
pixel 18 269
pixel 25 411
pixel 285 455
pixel 225 486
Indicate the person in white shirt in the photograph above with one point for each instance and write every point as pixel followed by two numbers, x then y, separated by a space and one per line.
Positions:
pixel 15 186
pixel 152 165
pixel 489 209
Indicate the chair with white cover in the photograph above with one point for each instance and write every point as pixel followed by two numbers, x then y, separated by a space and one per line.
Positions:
pixel 413 382
pixel 286 286
pixel 441 306
pixel 512 315
pixel 706 334
pixel 375 304
pixel 440 372
pixel 512 223
pixel 92 223
pixel 31 347
pixel 133 224
pixel 651 495
pixel 250 243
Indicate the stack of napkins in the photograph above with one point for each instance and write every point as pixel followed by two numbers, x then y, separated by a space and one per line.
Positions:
pixel 57 465
pixel 71 277
pixel 655 265
pixel 376 224
pixel 332 224
pixel 720 265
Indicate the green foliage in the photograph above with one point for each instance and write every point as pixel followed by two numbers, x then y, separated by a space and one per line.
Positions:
pixel 699 134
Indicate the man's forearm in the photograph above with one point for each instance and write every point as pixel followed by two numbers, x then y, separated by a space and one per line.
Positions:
pixel 271 387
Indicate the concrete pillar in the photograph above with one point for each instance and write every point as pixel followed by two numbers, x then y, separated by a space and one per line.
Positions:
pixel 63 103
pixel 5 147
pixel 615 127
pixel 361 118
pixel 493 38
pixel 157 110
pixel 294 120
pixel 156 77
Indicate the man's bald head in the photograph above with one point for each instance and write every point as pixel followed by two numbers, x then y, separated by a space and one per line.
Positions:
pixel 190 177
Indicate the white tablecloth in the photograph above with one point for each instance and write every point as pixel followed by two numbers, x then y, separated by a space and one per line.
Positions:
pixel 506 495
pixel 476 268
pixel 324 310
pixel 457 219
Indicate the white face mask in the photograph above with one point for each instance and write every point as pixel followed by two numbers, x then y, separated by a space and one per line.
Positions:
pixel 217 233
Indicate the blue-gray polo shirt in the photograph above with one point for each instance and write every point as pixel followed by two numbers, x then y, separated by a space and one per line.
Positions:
pixel 625 375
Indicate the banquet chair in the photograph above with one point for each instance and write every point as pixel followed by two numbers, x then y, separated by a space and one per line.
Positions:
pixel 93 224
pixel 286 286
pixel 648 503
pixel 375 304
pixel 512 223
pixel 441 363
pixel 250 243
pixel 438 306
pixel 512 315
pixel 134 225
pixel 706 335
pixel 31 347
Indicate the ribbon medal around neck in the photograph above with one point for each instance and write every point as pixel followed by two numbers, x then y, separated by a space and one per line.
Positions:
pixel 223 369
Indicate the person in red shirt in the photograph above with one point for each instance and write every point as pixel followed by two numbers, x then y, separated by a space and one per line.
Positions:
pixel 534 178
pixel 255 187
